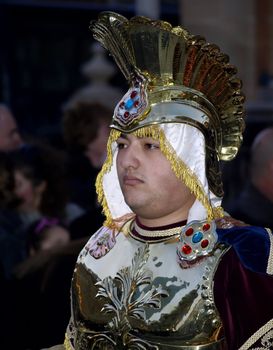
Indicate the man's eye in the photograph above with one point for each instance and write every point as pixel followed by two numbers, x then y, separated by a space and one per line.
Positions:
pixel 151 145
pixel 121 145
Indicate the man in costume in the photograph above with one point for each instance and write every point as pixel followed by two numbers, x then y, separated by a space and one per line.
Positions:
pixel 169 270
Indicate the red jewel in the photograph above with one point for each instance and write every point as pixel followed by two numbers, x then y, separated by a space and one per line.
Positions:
pixel 204 243
pixel 121 104
pixel 126 114
pixel 189 231
pixel 206 227
pixel 133 94
pixel 136 103
pixel 186 249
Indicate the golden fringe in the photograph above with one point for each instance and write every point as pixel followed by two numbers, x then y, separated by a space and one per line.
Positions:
pixel 184 173
pixel 66 344
pixel 218 212
pixel 181 170
pixel 114 135
pixel 152 131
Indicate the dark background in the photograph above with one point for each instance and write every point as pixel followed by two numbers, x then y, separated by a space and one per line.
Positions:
pixel 43 45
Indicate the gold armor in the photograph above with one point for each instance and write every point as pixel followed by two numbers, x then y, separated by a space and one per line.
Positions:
pixel 136 297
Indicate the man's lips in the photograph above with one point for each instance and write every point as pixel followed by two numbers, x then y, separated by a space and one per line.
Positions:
pixel 130 180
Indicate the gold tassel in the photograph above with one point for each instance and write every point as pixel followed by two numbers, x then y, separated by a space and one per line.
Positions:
pixel 181 170
pixel 114 135
pixel 66 344
pixel 184 173
pixel 218 212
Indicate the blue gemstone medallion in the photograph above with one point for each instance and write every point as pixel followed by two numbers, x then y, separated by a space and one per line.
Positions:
pixel 197 237
pixel 129 104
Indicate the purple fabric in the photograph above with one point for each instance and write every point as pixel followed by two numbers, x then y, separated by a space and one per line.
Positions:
pixel 44 223
pixel 251 243
pixel 243 299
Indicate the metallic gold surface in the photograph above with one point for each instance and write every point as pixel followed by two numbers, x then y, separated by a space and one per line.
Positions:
pixel 183 68
pixel 113 313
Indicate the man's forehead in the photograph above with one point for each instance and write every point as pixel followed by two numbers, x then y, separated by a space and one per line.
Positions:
pixel 132 136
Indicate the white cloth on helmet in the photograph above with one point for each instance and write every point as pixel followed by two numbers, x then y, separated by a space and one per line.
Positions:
pixel 189 144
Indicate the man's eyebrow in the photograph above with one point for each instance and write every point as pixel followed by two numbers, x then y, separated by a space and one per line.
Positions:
pixel 124 136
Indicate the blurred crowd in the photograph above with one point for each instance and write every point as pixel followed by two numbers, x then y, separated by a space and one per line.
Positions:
pixel 48 210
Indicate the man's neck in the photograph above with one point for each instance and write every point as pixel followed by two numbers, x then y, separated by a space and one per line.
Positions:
pixel 155 234
pixel 162 221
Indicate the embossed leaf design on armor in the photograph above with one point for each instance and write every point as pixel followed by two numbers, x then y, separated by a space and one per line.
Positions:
pixel 125 301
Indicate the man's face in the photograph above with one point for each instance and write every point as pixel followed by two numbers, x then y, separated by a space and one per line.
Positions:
pixel 149 185
pixel 10 138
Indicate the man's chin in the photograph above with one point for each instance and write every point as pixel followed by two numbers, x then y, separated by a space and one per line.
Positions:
pixel 133 204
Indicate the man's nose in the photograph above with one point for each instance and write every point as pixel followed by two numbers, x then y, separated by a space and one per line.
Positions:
pixel 131 157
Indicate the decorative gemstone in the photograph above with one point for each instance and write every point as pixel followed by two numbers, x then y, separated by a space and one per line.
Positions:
pixel 197 237
pixel 121 104
pixel 186 249
pixel 136 103
pixel 133 94
pixel 129 104
pixel 206 227
pixel 204 243
pixel 126 114
pixel 189 231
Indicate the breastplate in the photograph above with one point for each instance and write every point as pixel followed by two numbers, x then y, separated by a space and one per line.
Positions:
pixel 138 297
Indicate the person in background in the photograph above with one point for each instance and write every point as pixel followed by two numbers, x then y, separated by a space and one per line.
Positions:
pixel 12 248
pixel 12 234
pixel 10 137
pixel 86 129
pixel 39 172
pixel 255 203
pixel 40 184
pixel 44 278
pixel 169 269
pixel 85 132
